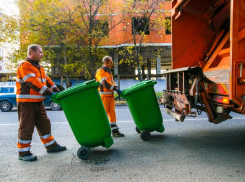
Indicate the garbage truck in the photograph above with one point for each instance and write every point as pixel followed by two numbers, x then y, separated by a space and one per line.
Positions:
pixel 208 59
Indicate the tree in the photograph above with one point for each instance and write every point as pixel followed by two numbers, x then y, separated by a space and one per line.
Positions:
pixel 9 38
pixel 70 31
pixel 140 13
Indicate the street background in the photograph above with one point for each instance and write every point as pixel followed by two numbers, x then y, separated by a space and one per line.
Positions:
pixel 194 150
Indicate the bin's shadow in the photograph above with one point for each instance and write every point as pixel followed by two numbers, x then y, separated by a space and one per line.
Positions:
pixel 99 157
pixel 155 137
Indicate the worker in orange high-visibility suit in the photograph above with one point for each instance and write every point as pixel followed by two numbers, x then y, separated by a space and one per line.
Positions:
pixel 32 86
pixel 106 90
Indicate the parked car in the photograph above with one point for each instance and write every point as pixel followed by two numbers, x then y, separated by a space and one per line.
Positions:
pixel 8 99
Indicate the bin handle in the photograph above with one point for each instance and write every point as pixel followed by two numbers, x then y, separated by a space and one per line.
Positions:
pixel 89 82
pixel 152 81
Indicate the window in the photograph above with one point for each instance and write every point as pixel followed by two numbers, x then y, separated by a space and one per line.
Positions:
pixel 167 25
pixel 100 28
pixel 0 68
pixel 141 24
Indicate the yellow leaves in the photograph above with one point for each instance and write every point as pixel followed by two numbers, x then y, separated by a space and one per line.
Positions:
pixel 126 61
pixel 68 67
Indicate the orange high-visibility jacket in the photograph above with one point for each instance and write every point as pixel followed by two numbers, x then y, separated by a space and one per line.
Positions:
pixel 32 82
pixel 108 86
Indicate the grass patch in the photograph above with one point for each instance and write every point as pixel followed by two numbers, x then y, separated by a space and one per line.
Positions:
pixel 159 95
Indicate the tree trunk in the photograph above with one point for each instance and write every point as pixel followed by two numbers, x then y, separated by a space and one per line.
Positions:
pixel 92 71
pixel 61 80
pixel 68 81
pixel 138 64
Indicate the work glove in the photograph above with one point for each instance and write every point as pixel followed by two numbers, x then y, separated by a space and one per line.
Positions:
pixel 56 89
pixel 53 93
pixel 119 92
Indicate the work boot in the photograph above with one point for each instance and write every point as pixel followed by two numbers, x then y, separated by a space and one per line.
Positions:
pixel 56 148
pixel 115 131
pixel 117 134
pixel 28 157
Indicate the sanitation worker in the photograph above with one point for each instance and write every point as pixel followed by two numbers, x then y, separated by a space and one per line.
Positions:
pixel 33 85
pixel 106 90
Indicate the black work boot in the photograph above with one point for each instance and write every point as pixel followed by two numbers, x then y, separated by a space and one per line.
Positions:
pixel 115 131
pixel 117 134
pixel 56 148
pixel 28 157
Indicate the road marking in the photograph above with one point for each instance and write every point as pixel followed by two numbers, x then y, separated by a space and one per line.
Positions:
pixel 127 121
pixel 9 124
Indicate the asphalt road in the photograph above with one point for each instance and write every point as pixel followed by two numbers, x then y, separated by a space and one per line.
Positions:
pixel 194 150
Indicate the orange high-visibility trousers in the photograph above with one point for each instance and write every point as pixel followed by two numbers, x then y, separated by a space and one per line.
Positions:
pixel 109 105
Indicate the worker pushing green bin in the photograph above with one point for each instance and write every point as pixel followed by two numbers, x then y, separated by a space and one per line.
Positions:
pixel 86 115
pixel 143 105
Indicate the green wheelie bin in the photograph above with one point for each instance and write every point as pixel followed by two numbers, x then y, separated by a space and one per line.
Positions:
pixel 86 115
pixel 143 105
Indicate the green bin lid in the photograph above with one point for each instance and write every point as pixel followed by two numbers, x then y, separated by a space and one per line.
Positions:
pixel 79 87
pixel 137 86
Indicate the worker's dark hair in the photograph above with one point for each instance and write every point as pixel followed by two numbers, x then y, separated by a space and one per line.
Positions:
pixel 106 59
pixel 33 47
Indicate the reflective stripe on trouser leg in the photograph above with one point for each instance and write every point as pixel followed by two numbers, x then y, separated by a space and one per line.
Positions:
pixel 109 105
pixel 24 146
pixel 47 140
pixel 114 127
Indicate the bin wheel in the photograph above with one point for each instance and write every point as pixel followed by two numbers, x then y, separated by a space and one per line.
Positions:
pixel 84 152
pixel 137 130
pixel 145 135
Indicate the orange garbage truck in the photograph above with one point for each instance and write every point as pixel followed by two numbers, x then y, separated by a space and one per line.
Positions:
pixel 208 59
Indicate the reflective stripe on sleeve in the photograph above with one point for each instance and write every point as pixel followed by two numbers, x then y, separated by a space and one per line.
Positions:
pixel 24 149
pixel 29 76
pixel 106 93
pixel 24 141
pixel 45 136
pixel 30 97
pixel 43 89
pixel 20 80
pixel 50 143
pixel 53 86
pixel 42 80
pixel 103 79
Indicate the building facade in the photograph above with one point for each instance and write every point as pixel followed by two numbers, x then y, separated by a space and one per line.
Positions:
pixel 145 32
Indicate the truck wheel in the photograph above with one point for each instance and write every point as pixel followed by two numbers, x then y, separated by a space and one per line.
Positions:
pixel 137 130
pixel 84 153
pixel 6 106
pixel 145 135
